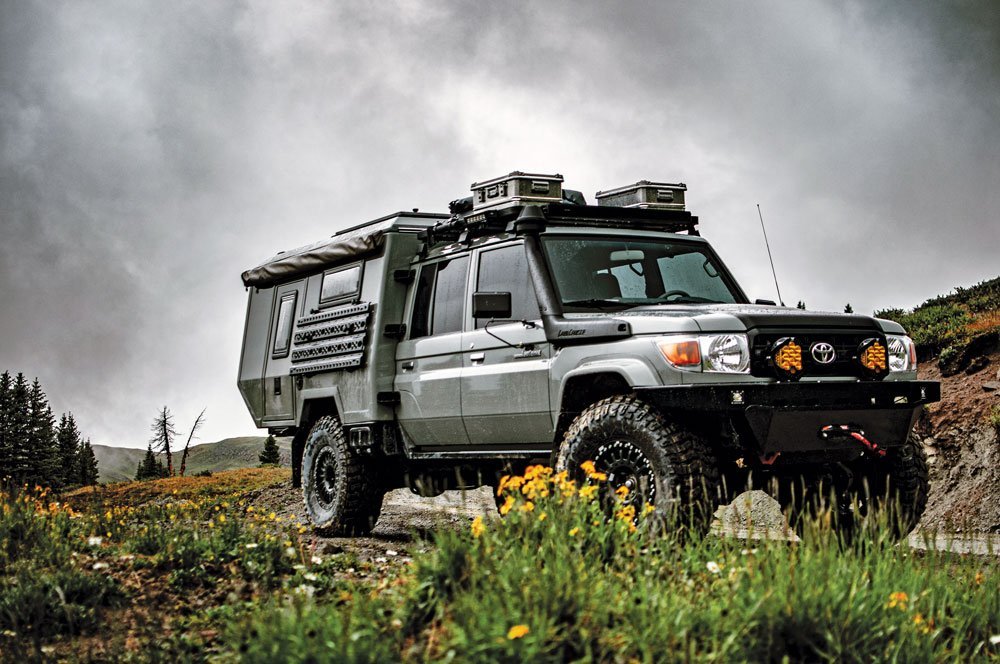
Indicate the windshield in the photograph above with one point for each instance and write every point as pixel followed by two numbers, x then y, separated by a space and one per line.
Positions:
pixel 615 273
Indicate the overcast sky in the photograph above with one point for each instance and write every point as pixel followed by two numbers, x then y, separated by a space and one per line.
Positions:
pixel 151 151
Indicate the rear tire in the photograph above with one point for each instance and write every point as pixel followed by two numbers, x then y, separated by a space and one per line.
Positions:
pixel 661 464
pixel 340 491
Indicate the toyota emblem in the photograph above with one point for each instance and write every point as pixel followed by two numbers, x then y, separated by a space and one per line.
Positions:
pixel 823 352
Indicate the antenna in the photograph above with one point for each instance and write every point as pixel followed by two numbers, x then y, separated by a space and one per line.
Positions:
pixel 767 244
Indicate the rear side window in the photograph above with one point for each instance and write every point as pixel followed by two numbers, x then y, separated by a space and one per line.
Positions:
pixel 283 326
pixel 506 270
pixel 341 284
pixel 440 298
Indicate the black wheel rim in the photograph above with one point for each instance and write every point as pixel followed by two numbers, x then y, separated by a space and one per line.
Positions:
pixel 324 478
pixel 627 466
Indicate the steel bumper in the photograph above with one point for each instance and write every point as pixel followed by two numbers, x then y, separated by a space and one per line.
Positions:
pixel 788 417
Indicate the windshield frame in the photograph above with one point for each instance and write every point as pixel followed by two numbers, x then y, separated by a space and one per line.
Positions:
pixel 600 305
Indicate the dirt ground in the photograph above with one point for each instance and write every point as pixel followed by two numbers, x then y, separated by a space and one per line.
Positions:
pixel 963 449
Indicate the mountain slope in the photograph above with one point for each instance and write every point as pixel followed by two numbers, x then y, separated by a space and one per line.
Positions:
pixel 120 463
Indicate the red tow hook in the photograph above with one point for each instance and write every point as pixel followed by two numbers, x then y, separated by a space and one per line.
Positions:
pixel 848 431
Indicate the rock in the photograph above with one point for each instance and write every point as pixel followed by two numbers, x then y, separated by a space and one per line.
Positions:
pixel 976 365
pixel 991 386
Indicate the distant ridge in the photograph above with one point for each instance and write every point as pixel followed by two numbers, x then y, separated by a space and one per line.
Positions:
pixel 119 463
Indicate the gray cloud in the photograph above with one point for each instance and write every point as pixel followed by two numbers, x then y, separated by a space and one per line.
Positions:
pixel 149 153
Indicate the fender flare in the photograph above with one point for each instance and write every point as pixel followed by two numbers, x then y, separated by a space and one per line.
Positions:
pixel 633 370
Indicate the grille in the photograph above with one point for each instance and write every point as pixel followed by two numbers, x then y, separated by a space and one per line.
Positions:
pixel 844 343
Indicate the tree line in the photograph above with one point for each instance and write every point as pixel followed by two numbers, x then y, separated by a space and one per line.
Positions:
pixel 34 448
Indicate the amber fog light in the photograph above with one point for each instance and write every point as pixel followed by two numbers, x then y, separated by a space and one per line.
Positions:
pixel 786 358
pixel 873 358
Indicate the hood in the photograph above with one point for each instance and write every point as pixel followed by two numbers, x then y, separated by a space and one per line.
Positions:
pixel 694 318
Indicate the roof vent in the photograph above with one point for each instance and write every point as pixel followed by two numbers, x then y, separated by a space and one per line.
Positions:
pixel 645 194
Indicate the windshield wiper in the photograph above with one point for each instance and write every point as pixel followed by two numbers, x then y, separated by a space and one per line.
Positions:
pixel 689 299
pixel 595 303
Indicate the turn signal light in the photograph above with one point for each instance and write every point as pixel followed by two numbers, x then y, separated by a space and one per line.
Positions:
pixel 873 357
pixel 786 356
pixel 685 353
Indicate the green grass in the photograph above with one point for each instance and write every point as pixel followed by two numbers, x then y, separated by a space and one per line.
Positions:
pixel 562 577
pixel 576 585
pixel 947 324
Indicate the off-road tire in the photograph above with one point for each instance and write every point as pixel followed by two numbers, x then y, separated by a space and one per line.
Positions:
pixel 904 470
pixel 340 490
pixel 678 465
pixel 893 489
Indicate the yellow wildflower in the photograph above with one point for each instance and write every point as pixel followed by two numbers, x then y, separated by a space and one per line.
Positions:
pixel 648 509
pixel 517 631
pixel 528 506
pixel 588 491
pixel 508 505
pixel 515 482
pixel 897 599
pixel 477 526
pixel 222 518
pixel 626 513
pixel 588 467
pixel 573 532
pixel 503 484
pixel 600 477
pixel 622 492
pixel 923 626
pixel 543 516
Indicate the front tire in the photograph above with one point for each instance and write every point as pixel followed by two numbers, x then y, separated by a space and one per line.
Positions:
pixel 890 492
pixel 340 491
pixel 661 464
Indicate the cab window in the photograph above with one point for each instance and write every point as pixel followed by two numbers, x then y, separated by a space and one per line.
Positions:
pixel 438 305
pixel 506 270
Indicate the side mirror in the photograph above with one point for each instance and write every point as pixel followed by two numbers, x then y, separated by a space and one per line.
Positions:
pixel 491 305
pixel 771 303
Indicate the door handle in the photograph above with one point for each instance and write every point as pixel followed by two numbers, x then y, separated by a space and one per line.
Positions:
pixel 406 366
pixel 477 357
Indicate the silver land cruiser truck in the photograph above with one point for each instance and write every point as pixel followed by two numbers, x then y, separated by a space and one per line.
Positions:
pixel 438 351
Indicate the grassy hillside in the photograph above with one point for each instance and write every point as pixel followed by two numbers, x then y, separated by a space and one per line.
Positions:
pixel 947 325
pixel 119 463
pixel 192 569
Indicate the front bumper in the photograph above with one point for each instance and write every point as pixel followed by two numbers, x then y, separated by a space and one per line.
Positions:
pixel 788 417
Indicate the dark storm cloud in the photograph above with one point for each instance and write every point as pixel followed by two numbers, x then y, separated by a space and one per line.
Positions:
pixel 150 152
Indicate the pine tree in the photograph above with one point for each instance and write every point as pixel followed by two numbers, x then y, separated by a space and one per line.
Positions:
pixel 150 467
pixel 42 462
pixel 848 309
pixel 67 444
pixel 270 455
pixel 19 431
pixel 6 395
pixel 163 436
pixel 87 464
pixel 800 305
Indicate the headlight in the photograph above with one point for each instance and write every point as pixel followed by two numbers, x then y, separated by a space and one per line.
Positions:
pixel 717 353
pixel 902 353
pixel 725 353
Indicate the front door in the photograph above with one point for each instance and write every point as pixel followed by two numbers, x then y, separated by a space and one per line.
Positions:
pixel 505 366
pixel 429 360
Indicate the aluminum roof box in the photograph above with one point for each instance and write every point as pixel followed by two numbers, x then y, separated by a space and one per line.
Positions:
pixel 645 194
pixel 517 188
